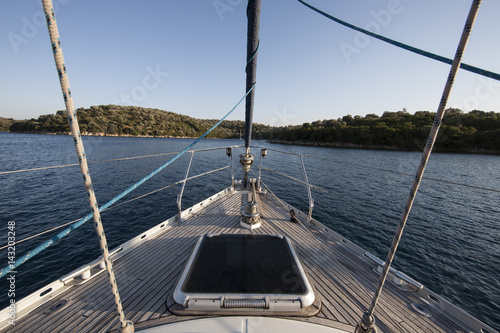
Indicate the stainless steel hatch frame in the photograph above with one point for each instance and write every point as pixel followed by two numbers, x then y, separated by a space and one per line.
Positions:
pixel 244 272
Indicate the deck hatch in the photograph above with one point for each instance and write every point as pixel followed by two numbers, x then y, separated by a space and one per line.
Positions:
pixel 229 269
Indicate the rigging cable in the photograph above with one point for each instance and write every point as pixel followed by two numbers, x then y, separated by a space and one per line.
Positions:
pixel 367 323
pixel 434 56
pixel 423 234
pixel 48 7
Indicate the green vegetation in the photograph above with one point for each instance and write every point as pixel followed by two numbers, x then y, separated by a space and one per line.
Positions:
pixel 477 131
pixel 5 124
pixel 135 121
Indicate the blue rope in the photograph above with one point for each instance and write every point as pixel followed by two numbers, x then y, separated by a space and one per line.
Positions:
pixel 407 47
pixel 63 233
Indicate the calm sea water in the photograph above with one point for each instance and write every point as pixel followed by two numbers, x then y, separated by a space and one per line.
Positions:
pixel 365 205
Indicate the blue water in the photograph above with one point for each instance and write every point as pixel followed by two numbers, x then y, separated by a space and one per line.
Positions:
pixel 365 205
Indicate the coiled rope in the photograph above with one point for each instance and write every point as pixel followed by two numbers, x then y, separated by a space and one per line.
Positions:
pixel 434 56
pixel 367 323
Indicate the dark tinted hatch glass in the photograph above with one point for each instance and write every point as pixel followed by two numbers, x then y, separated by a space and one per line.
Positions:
pixel 244 264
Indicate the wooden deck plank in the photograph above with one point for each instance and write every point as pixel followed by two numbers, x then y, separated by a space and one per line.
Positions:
pixel 103 286
pixel 341 305
pixel 148 288
pixel 147 303
pixel 391 320
pixel 332 301
pixel 343 302
pixel 294 231
pixel 223 223
pixel 393 302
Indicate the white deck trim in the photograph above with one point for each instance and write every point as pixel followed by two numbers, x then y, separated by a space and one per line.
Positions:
pixel 243 325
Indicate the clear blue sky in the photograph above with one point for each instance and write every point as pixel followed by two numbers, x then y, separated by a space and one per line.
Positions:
pixel 189 57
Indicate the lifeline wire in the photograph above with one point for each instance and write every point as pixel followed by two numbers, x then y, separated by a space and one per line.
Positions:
pixel 470 255
pixel 76 164
pixel 389 171
pixel 71 222
pixel 126 326
pixel 434 56
pixel 279 151
pixel 117 205
pixel 367 323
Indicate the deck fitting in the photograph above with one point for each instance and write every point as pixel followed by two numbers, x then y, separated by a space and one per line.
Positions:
pixel 250 217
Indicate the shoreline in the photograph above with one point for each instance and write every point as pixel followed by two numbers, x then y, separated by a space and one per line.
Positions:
pixel 342 145
pixel 339 145
pixel 110 135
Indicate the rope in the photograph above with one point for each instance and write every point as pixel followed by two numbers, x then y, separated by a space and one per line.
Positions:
pixel 76 164
pixel 466 67
pixel 127 326
pixel 63 233
pixel 368 319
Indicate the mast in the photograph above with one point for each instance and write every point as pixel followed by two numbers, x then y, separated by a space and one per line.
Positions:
pixel 253 15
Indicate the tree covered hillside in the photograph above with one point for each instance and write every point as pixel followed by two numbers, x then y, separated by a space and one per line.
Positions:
pixel 5 124
pixel 476 131
pixel 132 120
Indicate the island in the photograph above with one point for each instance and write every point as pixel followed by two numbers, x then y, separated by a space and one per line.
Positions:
pixel 473 132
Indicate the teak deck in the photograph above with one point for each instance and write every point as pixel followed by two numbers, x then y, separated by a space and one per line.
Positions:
pixel 146 276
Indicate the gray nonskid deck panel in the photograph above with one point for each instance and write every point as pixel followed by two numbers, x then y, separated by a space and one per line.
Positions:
pixel 147 275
